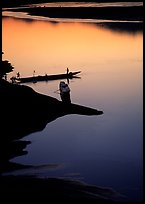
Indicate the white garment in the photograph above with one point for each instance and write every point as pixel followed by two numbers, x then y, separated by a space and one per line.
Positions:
pixel 64 87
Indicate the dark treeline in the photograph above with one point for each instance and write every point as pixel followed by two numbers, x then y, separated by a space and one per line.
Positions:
pixel 13 3
pixel 117 13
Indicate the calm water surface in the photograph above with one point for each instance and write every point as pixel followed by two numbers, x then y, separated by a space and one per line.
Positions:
pixel 102 150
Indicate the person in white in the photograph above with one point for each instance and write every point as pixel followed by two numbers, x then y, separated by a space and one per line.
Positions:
pixel 64 92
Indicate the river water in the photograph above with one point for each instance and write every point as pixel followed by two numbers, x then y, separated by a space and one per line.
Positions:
pixel 103 150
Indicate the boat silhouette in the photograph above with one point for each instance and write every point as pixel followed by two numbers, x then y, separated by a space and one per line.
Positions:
pixel 46 77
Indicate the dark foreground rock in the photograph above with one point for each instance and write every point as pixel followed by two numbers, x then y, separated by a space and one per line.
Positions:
pixel 24 111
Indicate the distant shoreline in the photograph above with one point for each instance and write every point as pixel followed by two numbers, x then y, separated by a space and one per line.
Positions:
pixel 14 3
pixel 133 13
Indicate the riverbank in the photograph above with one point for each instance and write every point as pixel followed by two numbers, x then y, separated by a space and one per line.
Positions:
pixel 19 111
pixel 19 118
pixel 26 111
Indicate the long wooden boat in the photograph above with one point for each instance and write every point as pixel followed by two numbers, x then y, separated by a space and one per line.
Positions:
pixel 46 77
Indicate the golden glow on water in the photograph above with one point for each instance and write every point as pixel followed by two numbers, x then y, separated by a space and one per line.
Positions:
pixel 109 60
pixel 48 47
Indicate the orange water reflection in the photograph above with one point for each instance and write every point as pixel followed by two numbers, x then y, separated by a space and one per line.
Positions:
pixel 51 47
pixel 110 61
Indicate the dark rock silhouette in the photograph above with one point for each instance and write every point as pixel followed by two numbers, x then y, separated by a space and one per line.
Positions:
pixel 31 111
pixel 24 111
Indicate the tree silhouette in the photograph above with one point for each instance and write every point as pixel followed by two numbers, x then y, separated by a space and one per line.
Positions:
pixel 5 68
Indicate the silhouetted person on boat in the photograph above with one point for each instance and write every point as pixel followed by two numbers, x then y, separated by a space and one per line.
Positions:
pixel 34 73
pixel 18 74
pixel 67 70
pixel 64 92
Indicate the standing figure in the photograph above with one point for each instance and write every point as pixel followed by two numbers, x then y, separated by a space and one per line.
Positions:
pixel 67 74
pixel 64 92
pixel 18 74
pixel 34 73
pixel 67 70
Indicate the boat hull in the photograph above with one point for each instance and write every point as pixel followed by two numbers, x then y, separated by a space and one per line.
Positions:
pixel 46 77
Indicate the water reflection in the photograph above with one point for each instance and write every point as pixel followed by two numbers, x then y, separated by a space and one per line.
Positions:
pixel 111 64
pixel 35 113
pixel 75 46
